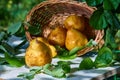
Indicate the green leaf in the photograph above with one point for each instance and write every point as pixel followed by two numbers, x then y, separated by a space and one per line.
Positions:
pixel 55 71
pixel 2 60
pixel 74 50
pixel 27 76
pixel 111 4
pixel 94 2
pixel 65 66
pixel 8 48
pixel 98 20
pixel 104 57
pixel 14 28
pixel 67 57
pixel 47 69
pixel 116 22
pixel 20 32
pixel 109 39
pixel 72 54
pixel 58 72
pixel 2 48
pixel 86 63
pixel 30 75
pixel 36 68
pixel 2 34
pixel 112 19
pixel 34 30
pixel 13 61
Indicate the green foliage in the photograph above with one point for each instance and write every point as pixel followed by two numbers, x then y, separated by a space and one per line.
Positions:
pixel 9 51
pixel 12 14
pixel 110 40
pixel 60 70
pixel 2 60
pixel 66 55
pixel 112 19
pixel 10 55
pixel 30 75
pixel 107 17
pixel 14 28
pixel 117 37
pixel 105 14
pixel 2 34
pixel 94 2
pixel 111 4
pixel 86 63
pixel 34 30
pixel 104 58
pixel 99 17
pixel 13 61
pixel 12 11
pixel 8 48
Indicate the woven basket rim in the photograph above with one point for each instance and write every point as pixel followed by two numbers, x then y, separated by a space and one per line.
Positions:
pixel 44 3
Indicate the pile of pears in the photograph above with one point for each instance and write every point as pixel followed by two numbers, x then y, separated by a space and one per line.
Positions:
pixel 69 36
pixel 41 50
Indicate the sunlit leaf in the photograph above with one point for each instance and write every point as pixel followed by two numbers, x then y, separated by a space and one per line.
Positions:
pixel 58 72
pixel 13 61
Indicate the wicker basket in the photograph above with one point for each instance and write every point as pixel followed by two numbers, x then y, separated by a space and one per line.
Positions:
pixel 53 12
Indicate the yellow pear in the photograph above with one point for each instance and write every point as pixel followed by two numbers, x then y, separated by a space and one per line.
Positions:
pixel 74 21
pixel 74 39
pixel 37 54
pixel 57 36
pixel 52 48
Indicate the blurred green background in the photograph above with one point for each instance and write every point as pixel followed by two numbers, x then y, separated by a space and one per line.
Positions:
pixel 12 11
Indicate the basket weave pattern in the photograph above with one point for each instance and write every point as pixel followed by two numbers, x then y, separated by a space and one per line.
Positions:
pixel 51 13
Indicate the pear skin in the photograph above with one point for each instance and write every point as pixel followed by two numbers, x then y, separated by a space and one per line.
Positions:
pixel 74 38
pixel 57 36
pixel 74 21
pixel 37 54
pixel 52 48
